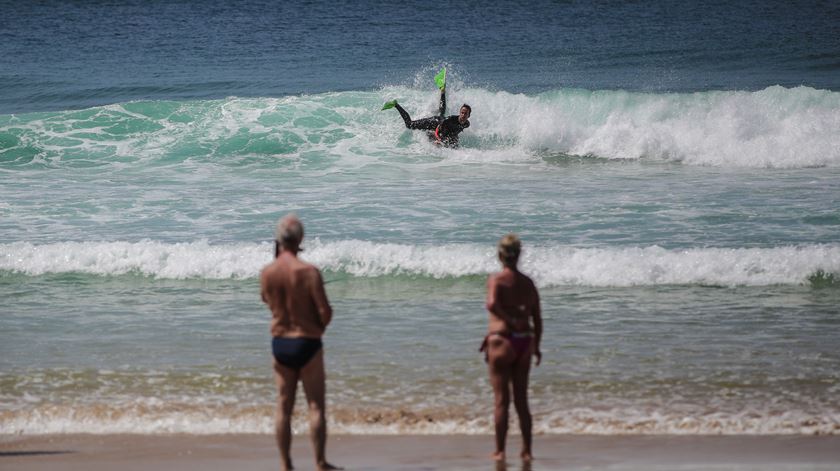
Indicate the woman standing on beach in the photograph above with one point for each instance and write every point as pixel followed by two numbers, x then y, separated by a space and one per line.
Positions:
pixel 513 336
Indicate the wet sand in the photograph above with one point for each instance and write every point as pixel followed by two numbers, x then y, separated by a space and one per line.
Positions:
pixel 406 452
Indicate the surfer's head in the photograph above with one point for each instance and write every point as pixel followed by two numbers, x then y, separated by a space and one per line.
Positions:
pixel 464 114
pixel 289 233
pixel 509 249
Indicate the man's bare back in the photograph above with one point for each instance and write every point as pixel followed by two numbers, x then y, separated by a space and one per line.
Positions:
pixel 294 292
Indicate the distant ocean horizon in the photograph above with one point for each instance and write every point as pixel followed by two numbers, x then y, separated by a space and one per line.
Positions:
pixel 673 171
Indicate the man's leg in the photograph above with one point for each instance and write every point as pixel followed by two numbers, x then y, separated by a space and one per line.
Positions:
pixel 314 385
pixel 405 116
pixel 521 370
pixel 427 124
pixel 286 379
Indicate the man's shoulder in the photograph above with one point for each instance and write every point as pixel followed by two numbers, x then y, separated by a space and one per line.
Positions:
pixel 267 269
pixel 271 271
pixel 307 269
pixel 453 121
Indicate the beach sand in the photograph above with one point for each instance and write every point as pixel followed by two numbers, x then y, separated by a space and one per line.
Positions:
pixel 407 452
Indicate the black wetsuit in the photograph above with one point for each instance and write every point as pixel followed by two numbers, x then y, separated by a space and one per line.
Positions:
pixel 439 128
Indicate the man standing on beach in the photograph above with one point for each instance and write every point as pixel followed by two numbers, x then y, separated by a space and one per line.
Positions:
pixel 294 292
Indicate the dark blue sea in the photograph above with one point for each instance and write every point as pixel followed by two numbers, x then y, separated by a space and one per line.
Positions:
pixel 57 56
pixel 673 169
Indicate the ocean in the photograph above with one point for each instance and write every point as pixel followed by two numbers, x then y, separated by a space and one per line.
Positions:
pixel 672 169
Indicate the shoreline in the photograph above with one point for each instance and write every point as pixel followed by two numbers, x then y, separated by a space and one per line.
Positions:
pixel 418 452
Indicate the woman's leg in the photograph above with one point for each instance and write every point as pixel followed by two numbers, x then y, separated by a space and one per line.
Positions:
pixel 521 371
pixel 500 358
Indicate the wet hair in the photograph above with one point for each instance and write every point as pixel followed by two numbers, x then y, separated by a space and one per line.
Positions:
pixel 468 107
pixel 289 232
pixel 509 249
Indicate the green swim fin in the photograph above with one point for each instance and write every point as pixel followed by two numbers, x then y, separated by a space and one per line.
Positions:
pixel 440 78
pixel 389 104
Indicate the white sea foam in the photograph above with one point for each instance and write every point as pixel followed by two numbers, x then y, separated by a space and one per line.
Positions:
pixel 151 418
pixel 772 128
pixel 776 127
pixel 176 261
pixel 548 265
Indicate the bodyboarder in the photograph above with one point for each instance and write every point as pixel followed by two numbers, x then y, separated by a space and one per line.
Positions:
pixel 441 130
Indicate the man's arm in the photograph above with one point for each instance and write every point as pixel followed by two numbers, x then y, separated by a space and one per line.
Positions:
pixel 319 296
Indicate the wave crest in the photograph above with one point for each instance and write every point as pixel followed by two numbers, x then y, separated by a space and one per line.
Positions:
pixel 776 127
pixel 772 128
pixel 548 265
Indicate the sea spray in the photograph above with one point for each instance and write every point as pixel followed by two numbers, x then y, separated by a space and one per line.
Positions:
pixel 775 127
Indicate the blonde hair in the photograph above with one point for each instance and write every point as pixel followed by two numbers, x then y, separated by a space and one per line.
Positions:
pixel 509 249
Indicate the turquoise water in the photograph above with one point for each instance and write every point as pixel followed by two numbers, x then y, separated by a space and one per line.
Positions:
pixel 685 289
pixel 678 206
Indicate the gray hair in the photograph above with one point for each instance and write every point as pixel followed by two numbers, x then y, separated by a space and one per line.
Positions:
pixel 289 231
